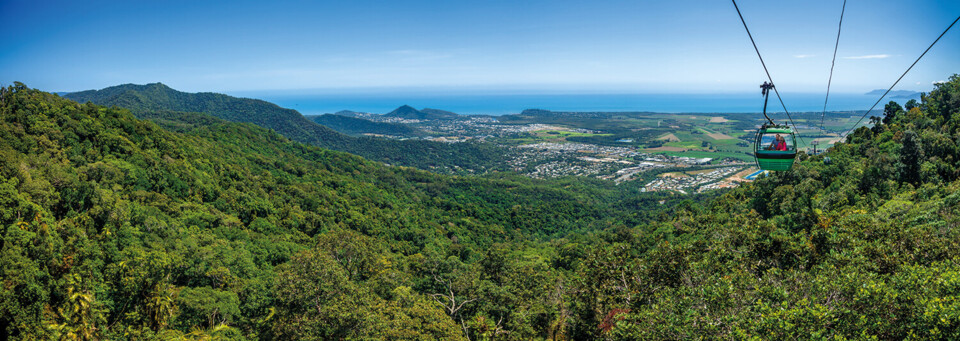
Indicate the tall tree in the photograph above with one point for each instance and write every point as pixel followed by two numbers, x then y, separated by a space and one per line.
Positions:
pixel 911 156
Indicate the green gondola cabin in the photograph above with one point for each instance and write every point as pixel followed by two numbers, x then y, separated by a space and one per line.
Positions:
pixel 775 147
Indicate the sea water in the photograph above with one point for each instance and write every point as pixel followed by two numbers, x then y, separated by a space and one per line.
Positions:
pixel 503 104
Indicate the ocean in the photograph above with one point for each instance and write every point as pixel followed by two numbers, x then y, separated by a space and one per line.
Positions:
pixel 511 104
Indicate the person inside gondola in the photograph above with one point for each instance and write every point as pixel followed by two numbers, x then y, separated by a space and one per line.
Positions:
pixel 781 143
pixel 775 144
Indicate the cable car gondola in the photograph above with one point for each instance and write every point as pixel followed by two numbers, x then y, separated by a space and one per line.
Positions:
pixel 775 146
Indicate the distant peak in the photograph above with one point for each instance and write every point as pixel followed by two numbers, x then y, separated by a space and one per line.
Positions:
pixel 156 85
pixel 404 109
pixel 137 87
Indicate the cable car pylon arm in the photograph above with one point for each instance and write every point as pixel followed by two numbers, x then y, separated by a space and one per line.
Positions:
pixel 765 90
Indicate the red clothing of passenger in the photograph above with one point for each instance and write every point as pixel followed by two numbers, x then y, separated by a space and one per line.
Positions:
pixel 782 145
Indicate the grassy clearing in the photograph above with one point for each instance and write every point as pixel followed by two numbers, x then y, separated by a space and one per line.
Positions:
pixel 700 171
pixel 685 144
pixel 674 175
pixel 669 137
pixel 551 134
pixel 717 119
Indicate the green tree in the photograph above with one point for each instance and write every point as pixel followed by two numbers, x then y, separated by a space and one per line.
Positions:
pixel 890 112
pixel 912 103
pixel 911 157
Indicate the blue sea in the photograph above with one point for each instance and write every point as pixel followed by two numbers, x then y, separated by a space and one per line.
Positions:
pixel 501 104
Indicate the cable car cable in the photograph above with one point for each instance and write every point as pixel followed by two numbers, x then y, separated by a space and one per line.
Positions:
pixel 832 64
pixel 765 69
pixel 901 77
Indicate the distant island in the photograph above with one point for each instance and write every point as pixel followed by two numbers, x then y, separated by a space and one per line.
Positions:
pixel 896 93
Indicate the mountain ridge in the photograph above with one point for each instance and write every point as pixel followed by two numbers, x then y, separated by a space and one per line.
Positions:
pixel 158 101
pixel 158 97
pixel 411 113
pixel 896 93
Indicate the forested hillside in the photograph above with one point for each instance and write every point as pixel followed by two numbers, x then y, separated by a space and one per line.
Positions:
pixel 864 247
pixel 158 101
pixel 116 228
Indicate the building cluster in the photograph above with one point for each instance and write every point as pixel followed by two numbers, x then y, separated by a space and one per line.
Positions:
pixel 684 183
pixel 387 119
pixel 717 185
pixel 583 148
pixel 556 159
pixel 559 168
pixel 627 174
pixel 694 160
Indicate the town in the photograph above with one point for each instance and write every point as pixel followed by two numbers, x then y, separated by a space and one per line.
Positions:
pixel 690 154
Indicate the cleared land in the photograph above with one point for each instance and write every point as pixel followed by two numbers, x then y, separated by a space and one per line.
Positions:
pixel 702 171
pixel 739 176
pixel 719 136
pixel 715 135
pixel 669 138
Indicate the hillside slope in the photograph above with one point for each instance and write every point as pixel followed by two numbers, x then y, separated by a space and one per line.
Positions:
pixel 157 97
pixel 115 228
pixel 158 101
pixel 864 247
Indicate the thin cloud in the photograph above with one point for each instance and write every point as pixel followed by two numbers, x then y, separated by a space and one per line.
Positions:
pixel 804 56
pixel 939 82
pixel 869 56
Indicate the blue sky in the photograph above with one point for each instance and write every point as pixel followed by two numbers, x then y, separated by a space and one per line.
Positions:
pixel 679 46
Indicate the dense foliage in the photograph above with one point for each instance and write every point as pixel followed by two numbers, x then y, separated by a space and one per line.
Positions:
pixel 114 227
pixel 158 101
pixel 863 247
pixel 118 228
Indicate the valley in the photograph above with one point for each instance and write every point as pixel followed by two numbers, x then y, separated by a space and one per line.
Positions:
pixel 629 148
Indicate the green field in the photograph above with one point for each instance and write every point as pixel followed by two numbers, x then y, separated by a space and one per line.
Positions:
pixel 549 136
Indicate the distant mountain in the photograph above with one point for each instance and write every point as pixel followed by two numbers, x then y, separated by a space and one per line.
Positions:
pixel 357 126
pixel 410 113
pixel 160 103
pixel 896 93
pixel 151 100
